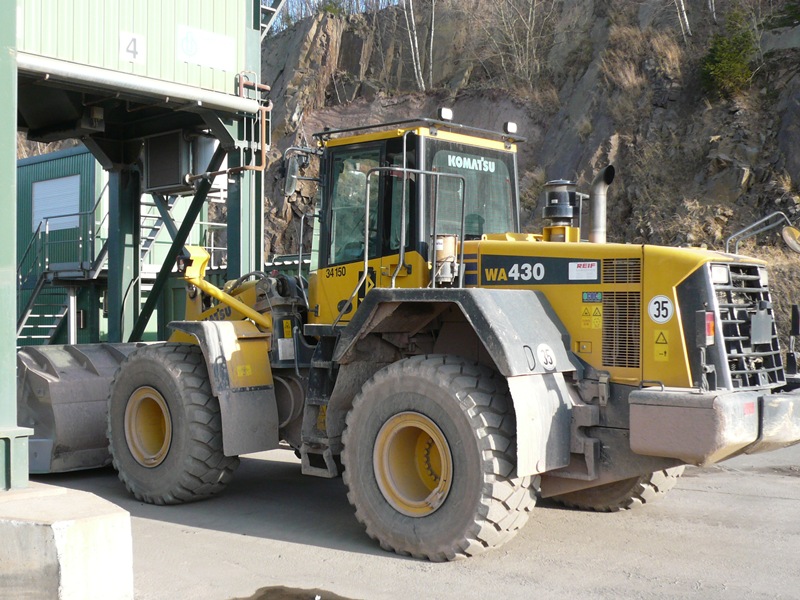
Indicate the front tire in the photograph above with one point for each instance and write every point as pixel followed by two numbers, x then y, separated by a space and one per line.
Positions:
pixel 165 428
pixel 430 455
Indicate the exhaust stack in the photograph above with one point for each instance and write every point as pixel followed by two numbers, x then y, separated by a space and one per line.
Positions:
pixel 597 226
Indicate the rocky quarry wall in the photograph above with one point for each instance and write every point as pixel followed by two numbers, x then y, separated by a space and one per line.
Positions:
pixel 617 85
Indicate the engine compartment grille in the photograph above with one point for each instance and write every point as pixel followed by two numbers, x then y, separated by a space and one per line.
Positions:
pixel 622 329
pixel 622 270
pixel 748 328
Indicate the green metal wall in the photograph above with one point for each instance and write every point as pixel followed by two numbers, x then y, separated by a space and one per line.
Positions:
pixel 13 439
pixel 74 245
pixel 74 161
pixel 70 245
pixel 193 42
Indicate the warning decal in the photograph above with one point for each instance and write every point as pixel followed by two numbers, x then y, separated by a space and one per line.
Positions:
pixel 597 317
pixel 661 345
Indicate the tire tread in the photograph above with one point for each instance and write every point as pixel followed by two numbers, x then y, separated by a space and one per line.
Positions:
pixel 623 495
pixel 506 500
pixel 204 470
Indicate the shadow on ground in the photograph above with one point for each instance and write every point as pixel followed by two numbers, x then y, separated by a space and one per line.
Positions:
pixel 284 593
pixel 268 498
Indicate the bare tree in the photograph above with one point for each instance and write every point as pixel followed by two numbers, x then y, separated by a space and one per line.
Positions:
pixel 430 43
pixel 517 34
pixel 683 19
pixel 411 27
pixel 757 12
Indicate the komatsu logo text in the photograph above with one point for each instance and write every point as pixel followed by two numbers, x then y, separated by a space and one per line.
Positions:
pixel 473 164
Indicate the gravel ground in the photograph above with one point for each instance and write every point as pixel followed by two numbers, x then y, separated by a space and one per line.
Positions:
pixel 728 531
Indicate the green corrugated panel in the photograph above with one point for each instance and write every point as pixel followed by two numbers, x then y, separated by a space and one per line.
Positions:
pixel 160 47
pixel 94 42
pixel 194 42
pixel 182 69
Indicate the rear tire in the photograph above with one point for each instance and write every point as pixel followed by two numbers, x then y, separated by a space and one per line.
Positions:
pixel 165 428
pixel 430 455
pixel 625 494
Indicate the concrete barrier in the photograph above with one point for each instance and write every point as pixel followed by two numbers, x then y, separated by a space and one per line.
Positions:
pixel 63 544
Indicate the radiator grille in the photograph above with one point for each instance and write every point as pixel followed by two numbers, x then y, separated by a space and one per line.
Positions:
pixel 622 270
pixel 754 360
pixel 621 329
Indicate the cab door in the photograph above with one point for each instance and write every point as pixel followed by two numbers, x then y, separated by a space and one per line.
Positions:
pixel 353 227
pixel 400 208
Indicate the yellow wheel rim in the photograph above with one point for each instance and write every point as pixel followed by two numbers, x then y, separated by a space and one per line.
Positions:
pixel 413 464
pixel 148 427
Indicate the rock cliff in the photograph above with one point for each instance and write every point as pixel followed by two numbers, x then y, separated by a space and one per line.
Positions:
pixel 618 83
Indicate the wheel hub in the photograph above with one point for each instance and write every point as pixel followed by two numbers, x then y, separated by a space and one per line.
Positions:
pixel 148 426
pixel 413 464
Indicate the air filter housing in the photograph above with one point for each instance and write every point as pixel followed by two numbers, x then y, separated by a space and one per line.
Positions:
pixel 560 201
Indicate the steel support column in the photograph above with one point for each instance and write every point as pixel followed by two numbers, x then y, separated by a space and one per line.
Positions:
pixel 72 315
pixel 245 220
pixel 124 283
pixel 177 246
pixel 13 439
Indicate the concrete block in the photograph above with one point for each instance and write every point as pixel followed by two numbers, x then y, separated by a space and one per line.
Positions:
pixel 63 544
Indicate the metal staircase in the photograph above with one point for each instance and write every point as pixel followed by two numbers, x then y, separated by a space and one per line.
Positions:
pixel 47 289
pixel 269 12
pixel 152 224
pixel 44 313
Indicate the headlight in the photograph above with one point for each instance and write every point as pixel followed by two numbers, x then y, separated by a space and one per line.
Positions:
pixel 764 275
pixel 720 274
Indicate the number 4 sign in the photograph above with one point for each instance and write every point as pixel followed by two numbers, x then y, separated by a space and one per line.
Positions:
pixel 660 309
pixel 131 47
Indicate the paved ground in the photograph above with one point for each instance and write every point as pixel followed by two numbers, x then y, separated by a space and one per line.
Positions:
pixel 731 531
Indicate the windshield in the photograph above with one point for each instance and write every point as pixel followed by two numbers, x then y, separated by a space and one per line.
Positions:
pixel 489 189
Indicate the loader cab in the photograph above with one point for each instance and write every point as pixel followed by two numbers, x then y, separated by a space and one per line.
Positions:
pixel 386 197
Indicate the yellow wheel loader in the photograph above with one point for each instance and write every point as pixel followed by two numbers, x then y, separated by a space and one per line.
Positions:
pixel 450 367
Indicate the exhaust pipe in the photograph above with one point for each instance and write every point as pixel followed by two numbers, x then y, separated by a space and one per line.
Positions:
pixel 597 227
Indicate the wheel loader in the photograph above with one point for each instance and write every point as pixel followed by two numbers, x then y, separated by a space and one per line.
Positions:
pixel 449 366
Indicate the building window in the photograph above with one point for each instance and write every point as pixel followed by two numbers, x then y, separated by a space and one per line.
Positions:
pixel 58 201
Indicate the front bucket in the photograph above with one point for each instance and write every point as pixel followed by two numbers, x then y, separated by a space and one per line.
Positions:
pixel 62 393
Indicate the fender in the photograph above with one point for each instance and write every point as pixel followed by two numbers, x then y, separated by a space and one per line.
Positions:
pixel 237 356
pixel 519 331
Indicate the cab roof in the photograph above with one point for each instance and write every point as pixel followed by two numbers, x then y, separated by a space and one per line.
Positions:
pixel 378 131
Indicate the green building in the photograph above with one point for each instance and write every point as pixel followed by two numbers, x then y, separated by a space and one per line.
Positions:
pixel 62 249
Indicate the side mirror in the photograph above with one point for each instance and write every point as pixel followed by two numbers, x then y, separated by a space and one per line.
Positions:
pixel 292 169
pixel 791 237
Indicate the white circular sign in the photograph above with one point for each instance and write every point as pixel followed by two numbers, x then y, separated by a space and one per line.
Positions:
pixel 660 309
pixel 547 357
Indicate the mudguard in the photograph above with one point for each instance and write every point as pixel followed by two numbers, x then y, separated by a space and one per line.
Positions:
pixel 237 356
pixel 523 336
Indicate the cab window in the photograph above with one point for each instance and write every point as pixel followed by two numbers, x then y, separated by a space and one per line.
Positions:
pixel 489 206
pixel 398 182
pixel 348 215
